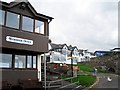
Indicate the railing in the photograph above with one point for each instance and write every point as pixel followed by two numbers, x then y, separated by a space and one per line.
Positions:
pixel 62 83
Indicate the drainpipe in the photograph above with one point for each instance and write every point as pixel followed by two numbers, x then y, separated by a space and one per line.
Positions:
pixel 45 71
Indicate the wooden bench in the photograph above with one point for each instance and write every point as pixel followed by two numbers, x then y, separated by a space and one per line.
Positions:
pixel 30 84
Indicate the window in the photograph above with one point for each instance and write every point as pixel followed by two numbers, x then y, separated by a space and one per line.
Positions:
pixel 12 20
pixel 27 24
pixel 5 60
pixel 34 62
pixel 47 58
pixel 2 15
pixel 20 61
pixel 29 61
pixel 39 27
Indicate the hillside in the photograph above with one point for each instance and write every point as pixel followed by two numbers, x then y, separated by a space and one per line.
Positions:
pixel 108 61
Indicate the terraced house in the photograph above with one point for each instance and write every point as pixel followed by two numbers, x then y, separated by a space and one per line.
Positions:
pixel 24 36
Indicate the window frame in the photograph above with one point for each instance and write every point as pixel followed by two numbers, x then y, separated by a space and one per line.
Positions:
pixel 27 61
pixel 4 17
pixel 23 68
pixel 24 61
pixel 11 62
pixel 5 24
pixel 43 26
pixel 20 23
pixel 33 63
pixel 33 26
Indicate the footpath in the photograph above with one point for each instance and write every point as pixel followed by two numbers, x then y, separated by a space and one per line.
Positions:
pixel 102 82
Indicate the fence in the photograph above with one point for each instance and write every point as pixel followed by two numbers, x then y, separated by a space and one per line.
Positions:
pixel 63 83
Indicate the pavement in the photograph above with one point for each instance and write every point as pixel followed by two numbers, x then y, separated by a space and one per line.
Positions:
pixel 103 83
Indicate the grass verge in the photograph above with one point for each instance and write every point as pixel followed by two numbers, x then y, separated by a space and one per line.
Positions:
pixel 84 80
pixel 85 67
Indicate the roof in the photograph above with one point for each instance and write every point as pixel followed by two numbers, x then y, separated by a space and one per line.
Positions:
pixel 72 48
pixel 118 49
pixel 16 2
pixel 57 46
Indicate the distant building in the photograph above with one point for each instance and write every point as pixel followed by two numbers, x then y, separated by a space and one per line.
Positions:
pixel 116 50
pixel 85 55
pixel 101 53
pixel 61 53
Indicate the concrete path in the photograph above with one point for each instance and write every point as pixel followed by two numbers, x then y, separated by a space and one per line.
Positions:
pixel 104 83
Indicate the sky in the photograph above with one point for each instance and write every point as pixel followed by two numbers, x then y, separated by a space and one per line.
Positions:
pixel 87 24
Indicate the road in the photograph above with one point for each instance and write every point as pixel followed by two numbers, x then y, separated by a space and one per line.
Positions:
pixel 104 83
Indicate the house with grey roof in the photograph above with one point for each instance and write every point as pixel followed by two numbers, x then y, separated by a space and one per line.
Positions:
pixel 61 53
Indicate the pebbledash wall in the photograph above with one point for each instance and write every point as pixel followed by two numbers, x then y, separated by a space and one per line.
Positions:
pixel 25 35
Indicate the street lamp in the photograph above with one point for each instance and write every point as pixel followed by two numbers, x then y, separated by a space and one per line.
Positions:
pixel 71 62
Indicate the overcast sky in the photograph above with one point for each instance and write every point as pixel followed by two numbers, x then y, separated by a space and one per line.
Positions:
pixel 87 24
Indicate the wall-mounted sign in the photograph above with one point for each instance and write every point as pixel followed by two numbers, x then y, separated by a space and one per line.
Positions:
pixel 19 40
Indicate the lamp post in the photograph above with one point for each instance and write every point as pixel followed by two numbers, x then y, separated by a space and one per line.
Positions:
pixel 71 62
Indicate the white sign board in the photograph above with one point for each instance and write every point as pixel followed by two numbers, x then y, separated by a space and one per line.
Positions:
pixel 19 40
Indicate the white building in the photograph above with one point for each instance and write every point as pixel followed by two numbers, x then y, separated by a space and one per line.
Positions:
pixel 61 53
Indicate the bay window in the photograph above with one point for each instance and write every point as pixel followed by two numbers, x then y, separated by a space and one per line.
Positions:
pixel 28 24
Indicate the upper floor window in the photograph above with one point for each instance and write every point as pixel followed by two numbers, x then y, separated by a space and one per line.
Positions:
pixel 5 60
pixel 12 20
pixel 27 24
pixel 39 27
pixel 2 15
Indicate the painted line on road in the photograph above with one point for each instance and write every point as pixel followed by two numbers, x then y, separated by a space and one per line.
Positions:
pixel 98 78
pixel 87 88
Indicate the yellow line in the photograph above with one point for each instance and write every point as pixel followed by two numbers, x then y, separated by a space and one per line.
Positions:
pixel 87 88
pixel 95 82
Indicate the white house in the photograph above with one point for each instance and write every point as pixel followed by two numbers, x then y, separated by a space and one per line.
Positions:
pixel 60 53
pixel 74 54
pixel 85 55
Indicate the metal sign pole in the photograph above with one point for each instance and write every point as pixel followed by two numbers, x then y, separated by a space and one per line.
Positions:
pixel 45 70
pixel 71 63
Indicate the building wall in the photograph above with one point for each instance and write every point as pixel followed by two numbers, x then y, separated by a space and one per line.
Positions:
pixel 13 76
pixel 40 42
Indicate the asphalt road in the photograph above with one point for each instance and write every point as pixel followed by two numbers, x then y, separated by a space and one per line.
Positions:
pixel 104 83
